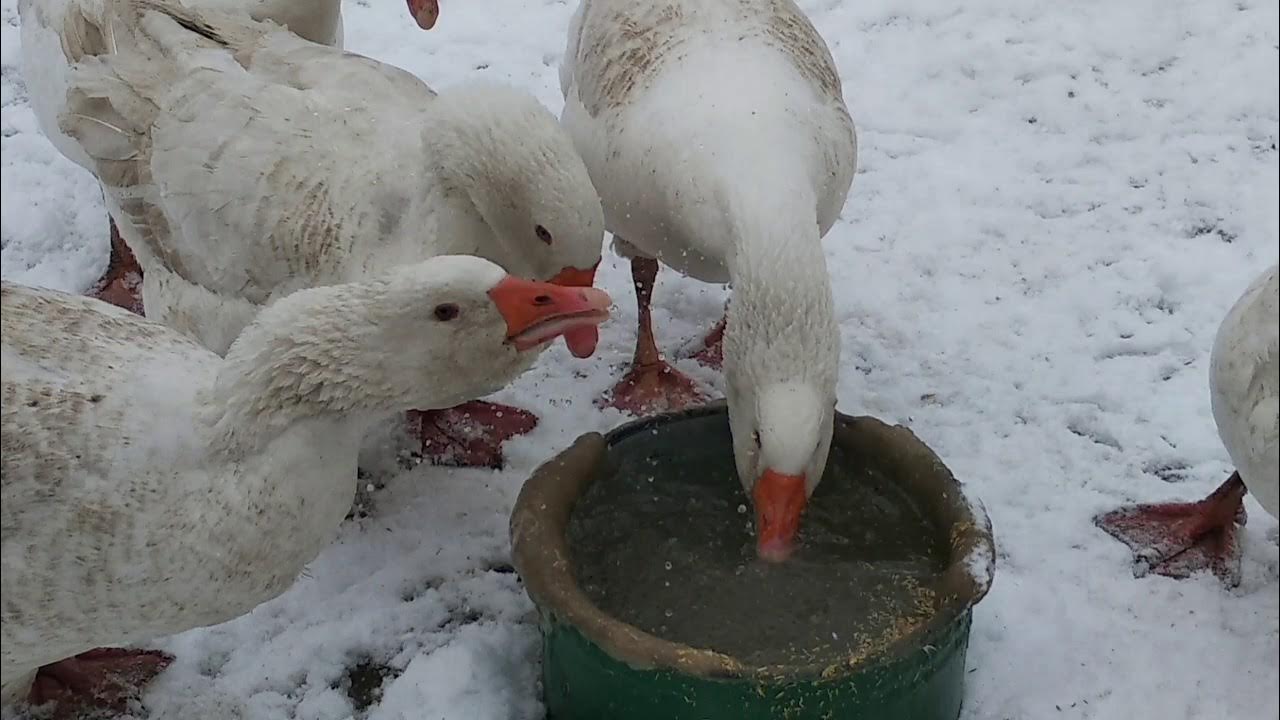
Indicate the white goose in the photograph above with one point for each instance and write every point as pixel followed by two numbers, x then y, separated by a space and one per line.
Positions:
pixel 150 486
pixel 55 33
pixel 717 136
pixel 1177 539
pixel 220 140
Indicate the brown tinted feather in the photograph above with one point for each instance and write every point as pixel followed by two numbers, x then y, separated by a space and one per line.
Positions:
pixel 627 47
pixel 624 46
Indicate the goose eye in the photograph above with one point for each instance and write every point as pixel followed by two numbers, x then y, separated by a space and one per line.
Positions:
pixel 543 234
pixel 755 437
pixel 446 312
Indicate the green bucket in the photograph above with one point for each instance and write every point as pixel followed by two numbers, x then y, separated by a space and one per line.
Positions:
pixel 596 667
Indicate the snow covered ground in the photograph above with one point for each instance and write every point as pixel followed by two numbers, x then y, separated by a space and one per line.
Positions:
pixel 1056 206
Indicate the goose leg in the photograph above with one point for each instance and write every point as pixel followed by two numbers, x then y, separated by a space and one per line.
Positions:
pixel 106 678
pixel 470 434
pixel 711 354
pixel 121 285
pixel 1178 539
pixel 651 385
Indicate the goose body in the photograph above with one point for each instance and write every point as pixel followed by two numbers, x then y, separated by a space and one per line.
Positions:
pixel 54 35
pixel 58 33
pixel 151 486
pixel 1244 387
pixel 717 135
pixel 221 140
pixel 683 108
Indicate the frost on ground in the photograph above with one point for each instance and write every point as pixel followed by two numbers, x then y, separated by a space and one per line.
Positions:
pixel 1056 206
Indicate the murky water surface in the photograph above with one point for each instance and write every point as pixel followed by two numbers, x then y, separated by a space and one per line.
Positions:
pixel 664 541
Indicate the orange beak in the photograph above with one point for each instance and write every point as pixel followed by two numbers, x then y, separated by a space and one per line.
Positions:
pixel 581 342
pixel 425 12
pixel 538 312
pixel 779 501
pixel 573 277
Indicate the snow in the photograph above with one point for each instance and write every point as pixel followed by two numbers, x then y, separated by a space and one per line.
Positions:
pixel 1057 204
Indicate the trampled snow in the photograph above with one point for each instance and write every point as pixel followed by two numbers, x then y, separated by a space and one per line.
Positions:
pixel 1057 202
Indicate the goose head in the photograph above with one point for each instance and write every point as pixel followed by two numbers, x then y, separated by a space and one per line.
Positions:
pixel 509 155
pixel 466 320
pixel 428 335
pixel 781 438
